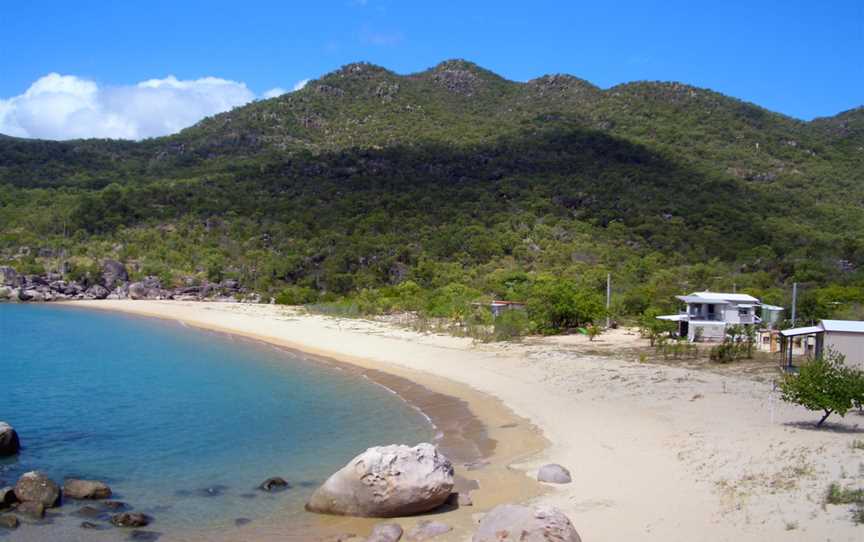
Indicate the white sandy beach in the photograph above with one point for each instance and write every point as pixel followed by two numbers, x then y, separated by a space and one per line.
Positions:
pixel 656 452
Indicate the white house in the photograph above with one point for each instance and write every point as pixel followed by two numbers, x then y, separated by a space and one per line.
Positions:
pixel 843 336
pixel 709 313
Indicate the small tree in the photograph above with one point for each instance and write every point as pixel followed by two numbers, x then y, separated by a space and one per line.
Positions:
pixel 653 328
pixel 825 384
pixel 593 331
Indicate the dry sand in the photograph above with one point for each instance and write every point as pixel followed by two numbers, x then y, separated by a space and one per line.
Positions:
pixel 656 452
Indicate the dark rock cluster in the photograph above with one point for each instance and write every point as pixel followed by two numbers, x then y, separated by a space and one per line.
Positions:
pixel 113 283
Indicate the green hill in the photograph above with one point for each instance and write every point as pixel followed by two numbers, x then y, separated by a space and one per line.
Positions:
pixel 457 176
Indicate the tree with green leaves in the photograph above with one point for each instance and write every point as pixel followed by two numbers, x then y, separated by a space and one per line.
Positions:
pixel 825 384
pixel 557 304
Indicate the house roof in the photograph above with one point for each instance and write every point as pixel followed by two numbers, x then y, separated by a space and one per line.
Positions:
pixel 795 331
pixel 847 326
pixel 723 296
pixel 773 308
pixel 697 299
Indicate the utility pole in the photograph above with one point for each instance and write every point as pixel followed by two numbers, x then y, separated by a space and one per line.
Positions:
pixel 794 301
pixel 608 297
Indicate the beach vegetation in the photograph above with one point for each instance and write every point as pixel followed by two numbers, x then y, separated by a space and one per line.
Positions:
pixel 825 384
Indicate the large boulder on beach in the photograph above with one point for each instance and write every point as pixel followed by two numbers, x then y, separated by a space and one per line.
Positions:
pixel 137 290
pixel 96 292
pixel 113 274
pixel 525 524
pixel 553 474
pixel 387 481
pixel 85 489
pixel 9 443
pixel 35 486
pixel 9 277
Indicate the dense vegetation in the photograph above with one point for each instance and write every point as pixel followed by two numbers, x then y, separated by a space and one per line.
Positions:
pixel 428 191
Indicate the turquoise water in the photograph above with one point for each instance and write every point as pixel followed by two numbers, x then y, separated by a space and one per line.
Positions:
pixel 162 412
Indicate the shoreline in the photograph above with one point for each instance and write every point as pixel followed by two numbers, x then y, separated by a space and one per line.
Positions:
pixel 657 452
pixel 467 423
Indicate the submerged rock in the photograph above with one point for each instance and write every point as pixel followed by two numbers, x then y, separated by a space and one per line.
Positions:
pixel 387 481
pixel 89 512
pixel 35 486
pixel 385 532
pixel 144 536
pixel 130 519
pixel 553 474
pixel 274 484
pixel 8 522
pixel 426 529
pixel 9 442
pixel 116 506
pixel 525 524
pixel 33 509
pixel 85 489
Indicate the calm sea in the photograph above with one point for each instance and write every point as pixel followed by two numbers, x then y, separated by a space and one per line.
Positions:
pixel 182 423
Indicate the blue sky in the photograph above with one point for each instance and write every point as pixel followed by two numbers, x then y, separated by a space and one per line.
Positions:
pixel 804 59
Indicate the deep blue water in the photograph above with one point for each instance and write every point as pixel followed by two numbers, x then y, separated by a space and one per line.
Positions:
pixel 161 412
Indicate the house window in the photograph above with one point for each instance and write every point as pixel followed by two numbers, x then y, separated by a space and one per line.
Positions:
pixel 743 312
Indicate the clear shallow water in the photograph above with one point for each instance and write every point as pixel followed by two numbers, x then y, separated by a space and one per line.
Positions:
pixel 162 412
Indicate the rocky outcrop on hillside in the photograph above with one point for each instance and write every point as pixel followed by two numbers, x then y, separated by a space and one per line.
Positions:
pixel 113 283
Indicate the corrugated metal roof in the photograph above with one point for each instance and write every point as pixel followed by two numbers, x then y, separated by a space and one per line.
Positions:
pixel 795 331
pixel 847 326
pixel 773 308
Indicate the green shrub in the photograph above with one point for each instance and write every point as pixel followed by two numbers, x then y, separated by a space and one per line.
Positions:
pixel 510 325
pixel 296 295
pixel 825 384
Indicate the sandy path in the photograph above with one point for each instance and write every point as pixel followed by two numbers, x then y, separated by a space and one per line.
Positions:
pixel 656 453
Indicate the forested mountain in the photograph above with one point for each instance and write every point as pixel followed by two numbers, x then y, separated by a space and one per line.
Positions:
pixel 458 182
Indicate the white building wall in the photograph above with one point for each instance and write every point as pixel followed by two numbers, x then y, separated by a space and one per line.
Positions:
pixel 711 331
pixel 850 345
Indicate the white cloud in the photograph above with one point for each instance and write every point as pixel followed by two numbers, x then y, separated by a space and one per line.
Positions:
pixel 66 107
pixel 300 84
pixel 274 92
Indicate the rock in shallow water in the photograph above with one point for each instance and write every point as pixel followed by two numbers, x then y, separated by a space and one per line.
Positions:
pixel 274 484
pixel 35 510
pixel 387 481
pixel 35 486
pixel 130 519
pixel 525 524
pixel 385 532
pixel 426 530
pixel 85 489
pixel 553 474
pixel 8 522
pixel 9 442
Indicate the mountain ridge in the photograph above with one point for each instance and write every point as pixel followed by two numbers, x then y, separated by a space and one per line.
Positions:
pixel 512 174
